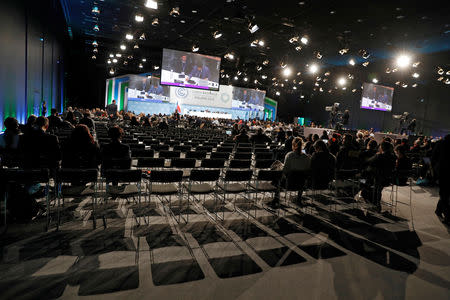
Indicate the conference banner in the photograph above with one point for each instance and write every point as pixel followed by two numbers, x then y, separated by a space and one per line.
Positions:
pixel 184 96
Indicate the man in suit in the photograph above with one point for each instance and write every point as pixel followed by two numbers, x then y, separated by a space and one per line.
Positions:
pixel 181 65
pixel 200 71
pixel 53 120
pixel 111 109
pixel 116 153
pixel 40 149
pixel 156 89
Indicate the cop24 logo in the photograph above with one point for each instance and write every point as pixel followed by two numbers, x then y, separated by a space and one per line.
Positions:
pixel 182 93
pixel 225 97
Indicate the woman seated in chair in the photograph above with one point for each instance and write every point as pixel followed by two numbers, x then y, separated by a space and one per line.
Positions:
pixel 294 163
pixel 403 165
pixel 81 151
pixel 323 164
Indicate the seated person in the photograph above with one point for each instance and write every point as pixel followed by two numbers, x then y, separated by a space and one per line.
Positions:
pixel 295 161
pixel 322 165
pixel 367 154
pixel 115 151
pixel 80 150
pixel 242 137
pixel 9 143
pixel 260 138
pixel 86 120
pixel 54 121
pixel 402 165
pixel 134 121
pixel 200 71
pixel 163 124
pixel 348 156
pixel 38 148
pixel 156 89
pixel 324 135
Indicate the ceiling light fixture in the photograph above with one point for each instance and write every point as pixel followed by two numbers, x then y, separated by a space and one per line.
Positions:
pixel 151 4
pixel 123 47
pixel 375 80
pixel 229 56
pixel 139 18
pixel 95 10
pixel 155 22
pixel 342 81
pixel 416 75
pixel 175 12
pixel 352 62
pixel 142 37
pixel 94 43
pixel 313 68
pixel 287 72
pixel 195 48
pixel 129 36
pixel 217 34
pixel 304 40
pixel 403 61
pixel 96 28
pixel 111 71
pixel 119 55
pixel 252 27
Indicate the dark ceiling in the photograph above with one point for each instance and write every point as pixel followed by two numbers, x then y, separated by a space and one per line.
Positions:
pixel 381 28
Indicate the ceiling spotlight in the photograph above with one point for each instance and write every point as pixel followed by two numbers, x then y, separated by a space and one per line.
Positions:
pixel 416 64
pixel 299 73
pixel 236 78
pixel 293 39
pixel 264 76
pixel 352 62
pixel 414 85
pixel 111 71
pixel 139 18
pixel 440 71
pixel 155 22
pixel 318 55
pixel 129 36
pixel 375 80
pixel 123 47
pixel 253 27
pixel 440 78
pixel 304 40
pixel 343 51
pixel 156 67
pixel 448 72
pixel 195 48
pixel 114 60
pixel 175 12
pixel 342 81
pixel 217 34
pixel 95 10
pixel 287 72
pixel 365 64
pixel 447 81
pixel 394 70
pixel 119 55
pixel 94 43
pixel 255 81
pixel 398 83
pixel 96 28
pixel 327 73
pixel 254 43
pixel 140 66
pixel 245 78
pixel 94 57
pixel 364 54
pixel 294 87
pixel 258 68
pixel 403 61
pixel 151 4
pixel 136 46
pixel 325 79
pixel 354 90
pixel 109 61
pixel 111 55
pixel 416 75
pixel 261 43
pixel 229 56
pixel 388 70
pixel 298 48
pixel 321 90
pixel 266 62
pixel 144 59
pixel 125 63
pixel 277 93
pixel 95 50
pixel 404 85
pixel 142 37
pixel 313 68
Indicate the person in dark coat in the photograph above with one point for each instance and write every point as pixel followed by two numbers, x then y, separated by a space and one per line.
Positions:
pixel 441 164
pixel 323 166
pixel 80 151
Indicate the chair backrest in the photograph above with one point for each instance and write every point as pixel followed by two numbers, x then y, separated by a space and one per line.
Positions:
pixel 147 162
pixel 171 143
pixel 244 149
pixel 221 155
pixel 269 175
pixel 142 153
pixel 204 175
pixel 243 155
pixel 183 148
pixel 213 163
pixel 240 164
pixel 123 175
pixel 137 146
pixel 158 147
pixel 113 163
pixel 238 175
pixel 169 154
pixel 80 175
pixel 149 142
pixel 263 155
pixel 225 149
pixel 196 154
pixel 263 163
pixel 24 176
pixel 182 163
pixel 248 145
pixel 166 176
pixel 204 148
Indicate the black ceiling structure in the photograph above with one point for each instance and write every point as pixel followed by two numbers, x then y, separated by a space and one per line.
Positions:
pixel 370 33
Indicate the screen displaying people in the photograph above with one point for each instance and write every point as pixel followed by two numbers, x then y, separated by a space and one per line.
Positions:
pixel 248 99
pixel 377 97
pixel 147 88
pixel 180 68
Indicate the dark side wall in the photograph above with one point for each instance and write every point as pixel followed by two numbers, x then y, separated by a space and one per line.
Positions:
pixel 32 37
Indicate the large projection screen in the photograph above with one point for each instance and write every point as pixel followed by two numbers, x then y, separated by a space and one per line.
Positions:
pixel 191 70
pixel 377 97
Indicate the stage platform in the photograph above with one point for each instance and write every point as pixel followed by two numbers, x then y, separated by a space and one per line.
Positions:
pixel 378 136
pixel 331 249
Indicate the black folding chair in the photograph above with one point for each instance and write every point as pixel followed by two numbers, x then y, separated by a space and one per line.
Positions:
pixel 240 164
pixel 196 154
pixel 186 164
pixel 142 153
pixel 213 163
pixel 220 155
pixel 267 181
pixel 263 163
pixel 263 155
pixel 164 184
pixel 169 154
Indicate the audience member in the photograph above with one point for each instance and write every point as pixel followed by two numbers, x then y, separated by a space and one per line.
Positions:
pixel 260 137
pixel 348 155
pixel 80 151
pixel 9 143
pixel 115 151
pixel 441 164
pixel 54 122
pixel 86 120
pixel 242 137
pixel 322 166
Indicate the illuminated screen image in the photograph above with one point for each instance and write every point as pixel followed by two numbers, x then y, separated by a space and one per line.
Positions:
pixel 148 88
pixel 248 99
pixel 377 97
pixel 191 70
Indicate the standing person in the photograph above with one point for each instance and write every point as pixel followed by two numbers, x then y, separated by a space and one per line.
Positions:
pixel 441 164
pixel 111 109
pixel 44 108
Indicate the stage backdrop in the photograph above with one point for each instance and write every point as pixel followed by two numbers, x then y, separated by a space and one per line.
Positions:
pixel 144 94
